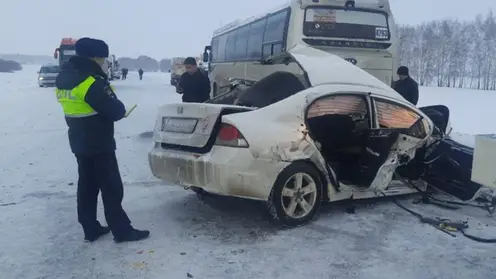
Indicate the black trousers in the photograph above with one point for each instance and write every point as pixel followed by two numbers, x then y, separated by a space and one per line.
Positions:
pixel 101 173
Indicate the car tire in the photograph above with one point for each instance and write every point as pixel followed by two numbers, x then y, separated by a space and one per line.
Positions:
pixel 200 193
pixel 41 85
pixel 306 199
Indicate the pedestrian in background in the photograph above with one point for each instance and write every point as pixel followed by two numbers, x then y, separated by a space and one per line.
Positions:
pixel 124 73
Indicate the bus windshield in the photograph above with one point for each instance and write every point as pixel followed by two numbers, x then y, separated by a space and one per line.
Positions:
pixel 350 24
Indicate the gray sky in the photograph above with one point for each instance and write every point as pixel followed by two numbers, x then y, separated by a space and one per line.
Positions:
pixel 165 28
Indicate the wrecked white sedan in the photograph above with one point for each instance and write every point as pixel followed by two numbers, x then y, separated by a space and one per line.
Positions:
pixel 332 133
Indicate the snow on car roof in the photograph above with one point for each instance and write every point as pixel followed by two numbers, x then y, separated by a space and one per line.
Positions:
pixel 326 68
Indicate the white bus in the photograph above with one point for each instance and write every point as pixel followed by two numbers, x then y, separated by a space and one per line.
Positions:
pixel 362 32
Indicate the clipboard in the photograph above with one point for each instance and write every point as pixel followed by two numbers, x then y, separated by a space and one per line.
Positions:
pixel 128 112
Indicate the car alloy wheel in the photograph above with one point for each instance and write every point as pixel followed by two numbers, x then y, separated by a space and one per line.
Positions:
pixel 296 195
pixel 299 195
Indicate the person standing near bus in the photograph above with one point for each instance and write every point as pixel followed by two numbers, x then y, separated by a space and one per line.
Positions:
pixel 193 84
pixel 406 86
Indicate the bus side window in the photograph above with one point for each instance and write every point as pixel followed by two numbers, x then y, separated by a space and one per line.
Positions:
pixel 221 52
pixel 231 45
pixel 274 33
pixel 266 50
pixel 241 43
pixel 214 50
pixel 255 39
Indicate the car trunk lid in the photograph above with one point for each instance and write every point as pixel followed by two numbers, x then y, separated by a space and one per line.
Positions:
pixel 189 124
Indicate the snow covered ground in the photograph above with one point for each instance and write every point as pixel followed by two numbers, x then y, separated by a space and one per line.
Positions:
pixel 214 238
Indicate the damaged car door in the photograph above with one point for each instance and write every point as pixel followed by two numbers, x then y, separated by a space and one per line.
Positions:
pixel 403 130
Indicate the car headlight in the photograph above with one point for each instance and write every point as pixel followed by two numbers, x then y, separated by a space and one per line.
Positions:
pixel 40 78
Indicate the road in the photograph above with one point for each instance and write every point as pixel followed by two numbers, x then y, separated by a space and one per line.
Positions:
pixel 211 238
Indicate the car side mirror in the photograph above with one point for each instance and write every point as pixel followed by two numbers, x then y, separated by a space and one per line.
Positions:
pixel 205 56
pixel 169 70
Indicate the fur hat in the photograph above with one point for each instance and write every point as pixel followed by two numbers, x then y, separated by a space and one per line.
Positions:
pixel 88 47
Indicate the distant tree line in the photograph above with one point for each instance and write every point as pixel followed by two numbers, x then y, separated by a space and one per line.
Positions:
pixel 451 53
pixel 9 66
pixel 147 63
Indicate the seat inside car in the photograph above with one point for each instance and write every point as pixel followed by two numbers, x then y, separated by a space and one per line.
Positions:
pixel 334 131
pixel 271 89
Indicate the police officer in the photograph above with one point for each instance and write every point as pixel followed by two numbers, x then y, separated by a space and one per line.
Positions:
pixel 91 108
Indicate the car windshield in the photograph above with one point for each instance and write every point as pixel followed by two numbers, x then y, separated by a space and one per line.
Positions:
pixel 350 24
pixel 49 69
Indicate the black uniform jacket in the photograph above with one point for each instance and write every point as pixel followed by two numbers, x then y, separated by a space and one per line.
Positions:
pixel 92 135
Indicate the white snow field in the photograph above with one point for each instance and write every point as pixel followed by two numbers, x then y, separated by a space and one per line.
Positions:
pixel 218 237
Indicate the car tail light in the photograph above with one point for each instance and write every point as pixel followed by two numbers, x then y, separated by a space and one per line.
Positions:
pixel 230 136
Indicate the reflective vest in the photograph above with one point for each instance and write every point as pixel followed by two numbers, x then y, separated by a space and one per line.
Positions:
pixel 73 102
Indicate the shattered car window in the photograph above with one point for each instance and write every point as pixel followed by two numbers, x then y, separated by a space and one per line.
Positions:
pixel 395 116
pixel 344 104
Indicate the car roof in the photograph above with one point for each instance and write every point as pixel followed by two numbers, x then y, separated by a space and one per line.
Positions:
pixel 326 68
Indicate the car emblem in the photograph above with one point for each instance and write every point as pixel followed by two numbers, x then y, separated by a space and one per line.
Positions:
pixel 180 110
pixel 351 60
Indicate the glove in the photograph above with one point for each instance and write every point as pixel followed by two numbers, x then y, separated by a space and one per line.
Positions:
pixel 179 89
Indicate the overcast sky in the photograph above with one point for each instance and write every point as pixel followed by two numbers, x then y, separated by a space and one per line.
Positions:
pixel 165 28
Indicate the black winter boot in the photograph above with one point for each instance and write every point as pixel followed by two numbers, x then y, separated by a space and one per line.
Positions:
pixel 95 234
pixel 132 235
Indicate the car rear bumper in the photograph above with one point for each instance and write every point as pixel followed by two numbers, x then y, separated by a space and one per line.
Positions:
pixel 225 171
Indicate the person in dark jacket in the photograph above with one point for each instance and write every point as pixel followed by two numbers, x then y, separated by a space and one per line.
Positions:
pixel 406 86
pixel 194 85
pixel 140 73
pixel 91 108
pixel 124 73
